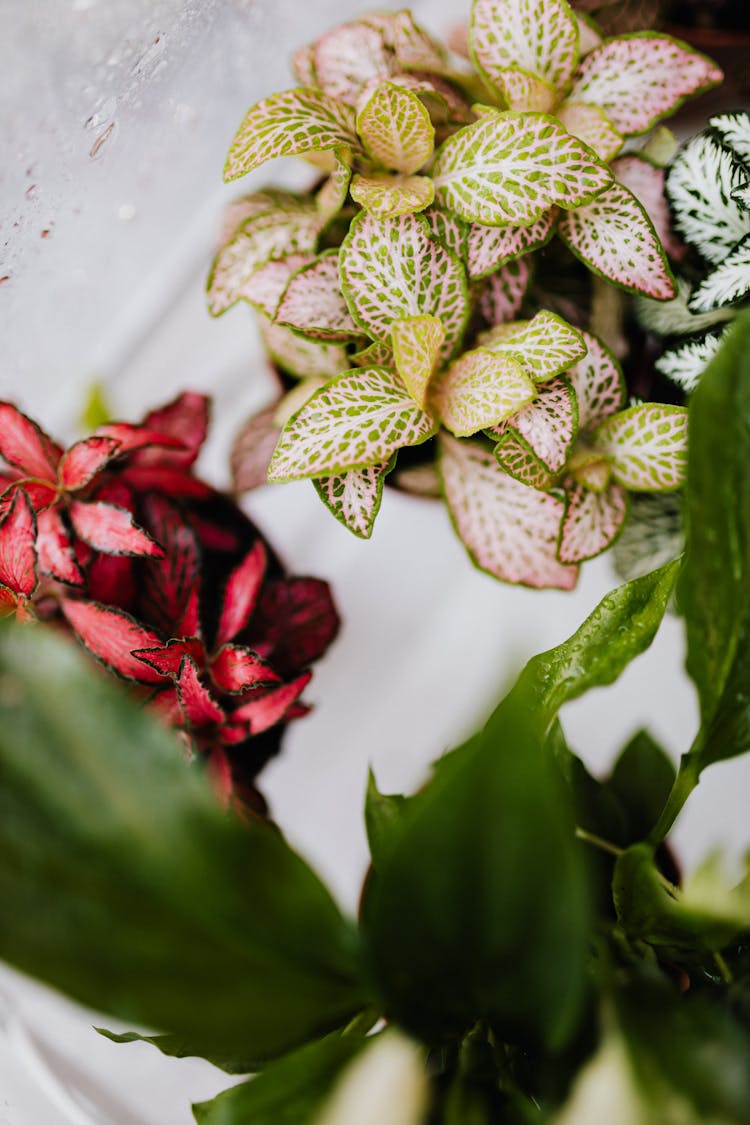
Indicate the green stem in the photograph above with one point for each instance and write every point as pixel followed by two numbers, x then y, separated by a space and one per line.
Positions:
pixel 726 972
pixel 685 782
pixel 598 842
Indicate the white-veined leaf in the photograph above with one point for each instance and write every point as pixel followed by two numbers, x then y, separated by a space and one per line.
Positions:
pixel 332 196
pixel 592 521
pixel 509 529
pixel 646 446
pixel 592 126
pixel 300 356
pixel 685 364
pixel 504 291
pixel 396 128
pixel 448 229
pixel 734 130
pixel 598 382
pixel 488 248
pixel 291 123
pixel 509 168
pixel 727 283
pixel 544 345
pixel 699 186
pixel 391 268
pixel 355 421
pixel 347 57
pixel 516 457
pixel 646 182
pixel 313 302
pixel 536 36
pixel 616 239
pixel 674 318
pixel 354 497
pixel 638 79
pixel 549 424
pixel 385 196
pixel 417 341
pixel 480 389
pixel 264 287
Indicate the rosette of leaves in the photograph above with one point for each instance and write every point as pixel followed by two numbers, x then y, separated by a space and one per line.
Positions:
pixel 163 580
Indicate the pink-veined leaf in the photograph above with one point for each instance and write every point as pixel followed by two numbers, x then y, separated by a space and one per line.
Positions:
pixel 253 448
pixel 303 65
pixel 300 355
pixel 509 168
pixel 313 303
pixel 356 420
pixel 265 287
pixel 168 583
pixel 700 183
pixel 416 342
pixel 55 553
pixel 17 546
pixel 198 706
pixel 271 707
pixel 111 635
pixel 332 196
pixel 480 389
pixel 488 248
pixel 592 126
pixel 646 446
pixel 413 47
pixel 638 79
pixel 504 291
pixel 396 128
pixel 392 268
pixel 615 238
pixel 82 461
pixel 241 594
pixel 346 58
pixel 536 36
pixel 544 345
pixel 355 497
pixel 294 624
pixel 167 659
pixel 235 668
pixel 25 445
pixel 598 382
pixel 378 354
pixel 296 398
pixel 592 522
pixel 646 182
pixel 384 195
pixel 239 211
pixel 510 530
pixel 517 458
pixel 726 283
pixel 449 230
pixel 185 419
pixel 109 528
pixel 549 424
pixel 291 123
pixel 525 92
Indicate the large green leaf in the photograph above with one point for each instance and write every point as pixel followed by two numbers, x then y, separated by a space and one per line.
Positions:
pixel 125 884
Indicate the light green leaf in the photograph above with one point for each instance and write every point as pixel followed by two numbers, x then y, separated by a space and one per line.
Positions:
pixel 479 390
pixel 332 196
pixel 383 195
pixel 646 446
pixel 544 346
pixel 539 37
pixel 417 341
pixel 396 128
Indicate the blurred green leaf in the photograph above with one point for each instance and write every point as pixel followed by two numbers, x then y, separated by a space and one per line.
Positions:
pixel 96 410
pixel 641 779
pixel 229 1058
pixel 383 813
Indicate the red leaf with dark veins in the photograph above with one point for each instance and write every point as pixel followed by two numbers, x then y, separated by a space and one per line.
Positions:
pixel 112 635
pixel 167 659
pixel 55 553
pixel 241 594
pixel 169 582
pixel 270 708
pixel 17 549
pixel 110 529
pixel 235 669
pixel 41 494
pixel 198 705
pixel 190 623
pixel 160 478
pixel 84 460
pixel 24 445
pixel 110 579
pixel 130 437
pixel 295 622
pixel 185 418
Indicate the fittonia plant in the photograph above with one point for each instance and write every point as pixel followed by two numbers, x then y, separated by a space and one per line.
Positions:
pixel 399 292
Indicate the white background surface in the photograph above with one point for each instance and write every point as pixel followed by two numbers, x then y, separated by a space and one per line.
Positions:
pixel 114 291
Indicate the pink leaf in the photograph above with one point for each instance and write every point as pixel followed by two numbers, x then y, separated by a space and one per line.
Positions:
pixel 111 635
pixel 198 705
pixel 253 449
pixel 592 522
pixel 168 583
pixel 592 126
pixel 110 529
pixel 17 549
pixel 598 382
pixel 505 290
pixel 646 182
pixel 537 36
pixel 549 424
pixel 313 302
pixel 265 287
pixel 491 247
pixel 295 623
pixel 241 594
pixel 516 457
pixel 354 498
pixel 25 446
pixel 54 549
pixel 236 668
pixel 272 706
pixel 348 57
pixel 40 493
pixel 167 659
pixel 81 463
pixel 186 420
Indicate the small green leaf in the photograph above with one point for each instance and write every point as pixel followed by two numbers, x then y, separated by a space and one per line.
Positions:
pixel 646 446
pixel 417 341
pixel 383 814
pixel 481 389
pixel 396 128
pixel 641 779
pixel 384 195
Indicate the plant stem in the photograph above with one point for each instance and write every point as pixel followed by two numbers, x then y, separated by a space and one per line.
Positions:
pixel 726 972
pixel 685 782
pixel 598 842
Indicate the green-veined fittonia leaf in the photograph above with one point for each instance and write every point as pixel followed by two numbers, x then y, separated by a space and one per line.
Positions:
pixel 378 354
pixel 646 446
pixel 616 239
pixel 313 302
pixel 488 248
pixel 504 291
pixel 509 168
pixel 449 230
pixel 727 283
pixel 332 196
pixel 592 521
pixel 638 79
pixel 356 421
pixel 396 128
pixel 347 57
pixel 264 288
pixel 416 342
pixel 514 454
pixel 544 345
pixel 480 389
pixel 549 424
pixel 385 196
pixel 392 268
pixel 646 181
pixel 685 364
pixel 509 529
pixel 699 186
pixel 536 36
pixel 592 126
pixel 291 123
pixel 598 382
pixel 354 497
pixel 300 356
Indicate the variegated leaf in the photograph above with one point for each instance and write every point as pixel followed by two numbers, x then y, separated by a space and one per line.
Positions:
pixel 537 36
pixel 252 450
pixel 270 236
pixel 646 182
pixel 685 364
pixel 303 66
pixel 674 318
pixel 413 47
pixel 646 446
pixel 616 239
pixel 396 128
pixel 385 196
pixel 544 345
pixel 391 268
pixel 727 283
pixel 592 522
pixel 699 186
pixel 449 230
pixel 252 206
pixel 264 288
pixel 356 421
pixel 504 291
pixel 509 529
pixel 549 424
pixel 479 390
pixel 355 497
pixel 590 469
pixel 509 168
pixel 332 196
pixel 517 458
pixel 488 248
pixel 526 92
pixel 741 195
pixel 638 79
pixel 589 35
pixel 598 382
pixel 289 124
pixel 592 126
pixel 347 57
pixel 378 354
pixel 313 302
pixel 299 355
pixel 734 130
pixel 294 400
pixel 417 341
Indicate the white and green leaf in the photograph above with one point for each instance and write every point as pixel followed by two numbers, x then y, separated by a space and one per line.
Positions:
pixel 378 354
pixel 385 196
pixel 536 36
pixel 525 92
pixel 544 345
pixel 489 248
pixel 598 382
pixel 699 186
pixel 685 364
pixel 592 126
pixel 503 291
pixel 354 497
pixel 416 342
pixel 299 355
pixel 592 521
pixel 313 303
pixel 727 283
pixel 479 390
pixel 646 446
pixel 396 128
pixel 294 399
pixel 449 230
pixel 674 318
pixel 515 456
pixel 734 130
